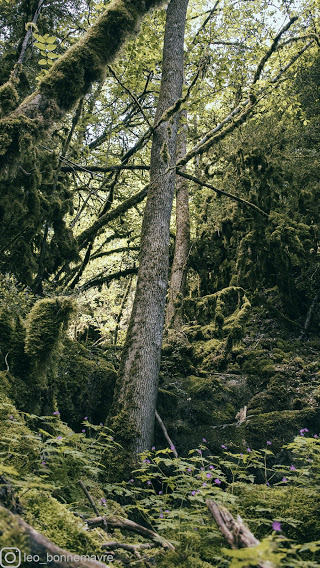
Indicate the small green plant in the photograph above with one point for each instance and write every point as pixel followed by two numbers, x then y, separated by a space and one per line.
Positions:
pixel 46 45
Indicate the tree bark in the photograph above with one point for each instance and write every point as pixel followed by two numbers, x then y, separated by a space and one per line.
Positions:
pixel 133 412
pixel 182 243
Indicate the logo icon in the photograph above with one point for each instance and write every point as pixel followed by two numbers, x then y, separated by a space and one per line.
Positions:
pixel 10 557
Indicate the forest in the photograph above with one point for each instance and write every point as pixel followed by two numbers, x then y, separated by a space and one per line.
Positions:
pixel 159 283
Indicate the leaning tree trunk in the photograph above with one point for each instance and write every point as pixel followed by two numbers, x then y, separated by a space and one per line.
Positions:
pixel 133 413
pixel 182 243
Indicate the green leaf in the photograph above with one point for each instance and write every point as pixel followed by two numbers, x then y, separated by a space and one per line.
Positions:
pixel 52 55
pixel 43 62
pixel 39 45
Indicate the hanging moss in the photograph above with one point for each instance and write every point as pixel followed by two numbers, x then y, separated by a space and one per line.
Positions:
pixel 44 326
pixel 8 98
pixel 73 74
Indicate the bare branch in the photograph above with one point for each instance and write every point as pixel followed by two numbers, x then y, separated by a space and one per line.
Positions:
pixel 272 49
pixel 221 192
pixel 166 435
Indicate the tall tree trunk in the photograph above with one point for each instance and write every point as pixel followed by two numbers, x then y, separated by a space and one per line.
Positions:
pixel 133 413
pixel 182 243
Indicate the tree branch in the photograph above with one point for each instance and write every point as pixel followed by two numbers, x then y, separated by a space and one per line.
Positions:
pixel 120 523
pixel 221 192
pixel 99 280
pixel 92 231
pixel 166 435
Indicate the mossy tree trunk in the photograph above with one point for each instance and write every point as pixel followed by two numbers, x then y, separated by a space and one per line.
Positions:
pixel 133 411
pixel 182 244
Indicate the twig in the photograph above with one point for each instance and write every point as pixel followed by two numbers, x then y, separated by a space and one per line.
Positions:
pixel 234 531
pixel 120 523
pixel 132 95
pixel 309 316
pixel 166 435
pixel 26 39
pixel 92 503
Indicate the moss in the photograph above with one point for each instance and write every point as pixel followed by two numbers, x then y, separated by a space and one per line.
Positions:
pixel 20 448
pixel 8 98
pixel 85 385
pixel 73 74
pixel 53 519
pixel 11 535
pixel 44 325
pixel 280 426
pixel 297 504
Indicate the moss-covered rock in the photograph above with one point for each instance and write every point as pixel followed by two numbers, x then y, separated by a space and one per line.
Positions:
pixel 299 505
pixel 84 385
pixel 54 520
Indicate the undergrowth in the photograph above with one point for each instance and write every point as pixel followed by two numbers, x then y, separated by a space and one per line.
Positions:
pixel 42 461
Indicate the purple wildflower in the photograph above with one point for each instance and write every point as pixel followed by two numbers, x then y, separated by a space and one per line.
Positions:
pixel 103 501
pixel 276 526
pixel 189 469
pixel 204 484
pixel 149 482
pixel 160 492
pixel 161 515
pixel 269 443
pixel 248 450
pixel 284 480
pixel 11 417
pixel 211 467
pixel 217 481
pixel 209 475
pixel 224 447
pixel 166 511
pixel 292 468
pixel 204 440
pixel 56 413
pixel 59 437
pixel 153 448
pixel 131 481
pixel 172 448
pixel 43 463
pixel 83 430
pixel 268 484
pixel 85 418
pixel 193 492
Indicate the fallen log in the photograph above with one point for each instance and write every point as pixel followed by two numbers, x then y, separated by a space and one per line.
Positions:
pixel 236 532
